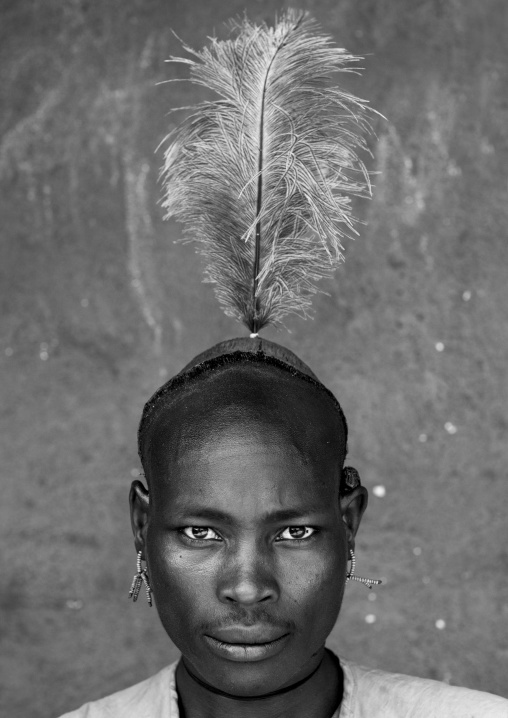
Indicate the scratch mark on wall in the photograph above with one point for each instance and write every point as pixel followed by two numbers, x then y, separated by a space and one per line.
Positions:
pixel 16 143
pixel 140 235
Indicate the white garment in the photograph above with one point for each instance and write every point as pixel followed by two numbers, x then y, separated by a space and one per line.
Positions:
pixel 367 694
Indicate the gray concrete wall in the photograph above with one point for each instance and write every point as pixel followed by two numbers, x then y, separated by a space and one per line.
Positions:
pixel 99 305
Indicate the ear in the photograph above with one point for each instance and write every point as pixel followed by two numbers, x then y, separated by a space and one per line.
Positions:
pixel 139 501
pixel 352 507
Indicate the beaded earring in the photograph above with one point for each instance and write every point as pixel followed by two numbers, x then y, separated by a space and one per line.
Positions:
pixel 139 579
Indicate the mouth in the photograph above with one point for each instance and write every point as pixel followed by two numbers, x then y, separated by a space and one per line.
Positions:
pixel 248 648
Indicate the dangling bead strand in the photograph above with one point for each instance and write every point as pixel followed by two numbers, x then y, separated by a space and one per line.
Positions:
pixel 369 582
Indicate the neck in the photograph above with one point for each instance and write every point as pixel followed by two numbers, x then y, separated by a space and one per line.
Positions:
pixel 316 695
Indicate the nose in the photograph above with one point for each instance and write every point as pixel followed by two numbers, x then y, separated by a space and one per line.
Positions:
pixel 247 577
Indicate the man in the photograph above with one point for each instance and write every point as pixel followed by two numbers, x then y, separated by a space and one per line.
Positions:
pixel 249 517
pixel 246 526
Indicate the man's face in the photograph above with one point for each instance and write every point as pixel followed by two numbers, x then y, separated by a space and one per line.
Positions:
pixel 245 543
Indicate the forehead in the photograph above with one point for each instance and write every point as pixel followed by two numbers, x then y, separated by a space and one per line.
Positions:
pixel 246 476
pixel 244 428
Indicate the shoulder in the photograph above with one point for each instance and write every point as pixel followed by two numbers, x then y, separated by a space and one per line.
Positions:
pixel 393 695
pixel 154 696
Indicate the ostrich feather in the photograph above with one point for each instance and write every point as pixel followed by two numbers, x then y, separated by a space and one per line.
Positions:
pixel 263 175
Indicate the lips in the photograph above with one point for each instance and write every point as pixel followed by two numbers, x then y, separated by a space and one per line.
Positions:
pixel 249 648
pixel 248 635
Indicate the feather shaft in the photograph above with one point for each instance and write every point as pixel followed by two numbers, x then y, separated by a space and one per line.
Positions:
pixel 259 198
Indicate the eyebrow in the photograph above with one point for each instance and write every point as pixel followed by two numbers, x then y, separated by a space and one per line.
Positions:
pixel 280 515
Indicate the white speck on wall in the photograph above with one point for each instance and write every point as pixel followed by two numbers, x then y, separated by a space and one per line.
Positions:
pixel 370 618
pixel 379 491
pixel 74 605
pixel 450 428
pixel 372 596
pixel 417 551
pixel 440 624
pixel 454 170
pixel 439 347
pixel 466 296
pixel 423 438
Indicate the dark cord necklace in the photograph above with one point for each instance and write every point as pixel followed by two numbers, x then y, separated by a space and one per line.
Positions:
pixel 251 698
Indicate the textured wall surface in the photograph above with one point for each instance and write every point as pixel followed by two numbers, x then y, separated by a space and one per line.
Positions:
pixel 99 305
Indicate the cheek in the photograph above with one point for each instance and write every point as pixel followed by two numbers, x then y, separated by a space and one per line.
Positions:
pixel 302 576
pixel 314 584
pixel 182 591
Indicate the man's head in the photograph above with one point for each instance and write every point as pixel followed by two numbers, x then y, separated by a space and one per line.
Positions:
pixel 244 529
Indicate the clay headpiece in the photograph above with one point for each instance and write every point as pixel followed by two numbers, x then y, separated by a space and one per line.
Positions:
pixel 262 178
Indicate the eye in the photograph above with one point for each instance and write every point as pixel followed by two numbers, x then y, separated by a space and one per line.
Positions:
pixel 200 533
pixel 296 533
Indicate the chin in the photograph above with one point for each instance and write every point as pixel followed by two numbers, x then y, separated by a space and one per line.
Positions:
pixel 253 675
